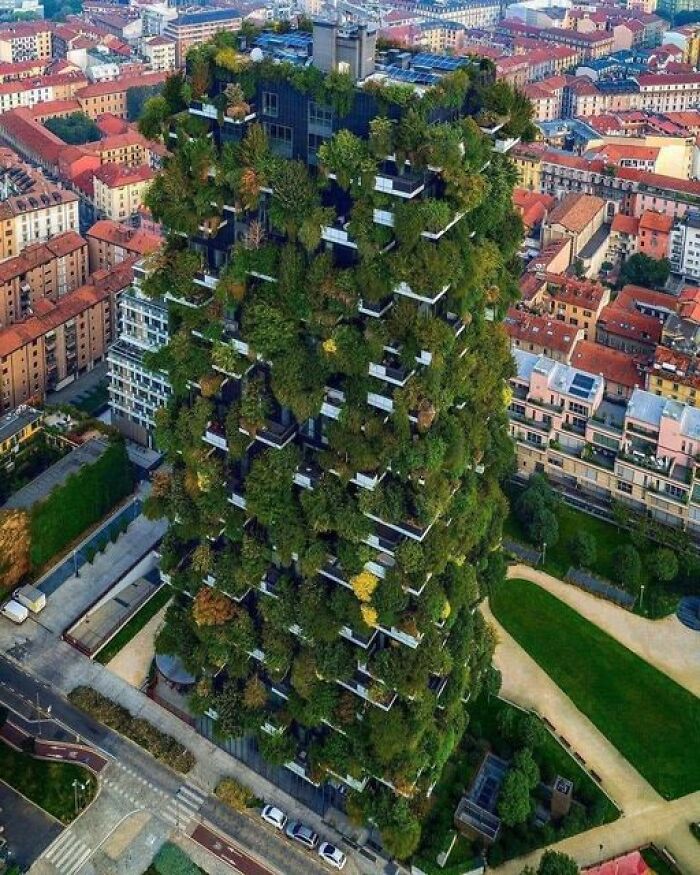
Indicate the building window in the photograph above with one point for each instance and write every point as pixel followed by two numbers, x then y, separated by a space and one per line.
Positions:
pixel 280 137
pixel 270 104
pixel 320 117
pixel 624 487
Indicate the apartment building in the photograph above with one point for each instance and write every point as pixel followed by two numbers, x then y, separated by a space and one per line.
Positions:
pixel 654 234
pixel 195 26
pixel 26 41
pixel 577 302
pixel 110 243
pixel 36 217
pixel 17 429
pixel 130 149
pixel 684 250
pixel 469 13
pixel 675 375
pixel 633 322
pixel 119 191
pixel 159 51
pixel 542 335
pixel 60 341
pixel 664 92
pixel 641 452
pixel 43 270
pixel 110 97
pixel 135 392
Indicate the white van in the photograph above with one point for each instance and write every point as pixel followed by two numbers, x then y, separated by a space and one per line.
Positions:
pixel 14 611
pixel 31 598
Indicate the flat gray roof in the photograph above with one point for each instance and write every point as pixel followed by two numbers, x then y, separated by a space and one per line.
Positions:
pixel 58 473
pixel 14 422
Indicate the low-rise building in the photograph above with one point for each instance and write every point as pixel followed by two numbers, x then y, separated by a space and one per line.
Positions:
pixel 135 391
pixel 541 334
pixel 633 322
pixel 642 452
pixel 43 270
pixel 622 373
pixel 159 51
pixel 26 41
pixel 675 375
pixel 99 98
pixel 118 191
pixel 576 302
pixel 577 217
pixel 110 243
pixel 17 429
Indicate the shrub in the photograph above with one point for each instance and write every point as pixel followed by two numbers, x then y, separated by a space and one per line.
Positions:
pixel 170 860
pixel 583 548
pixel 237 795
pixel 628 566
pixel 163 747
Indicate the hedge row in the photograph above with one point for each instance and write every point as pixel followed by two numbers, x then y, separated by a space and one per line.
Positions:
pixel 163 747
pixel 80 502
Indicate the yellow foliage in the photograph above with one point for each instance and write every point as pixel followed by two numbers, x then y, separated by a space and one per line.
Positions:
pixel 330 346
pixel 446 610
pixel 369 614
pixel 14 547
pixel 364 584
pixel 230 60
pixel 507 395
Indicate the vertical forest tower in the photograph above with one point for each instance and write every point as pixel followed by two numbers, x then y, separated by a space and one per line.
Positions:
pixel 340 237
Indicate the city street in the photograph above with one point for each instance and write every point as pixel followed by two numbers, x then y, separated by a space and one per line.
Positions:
pixel 132 782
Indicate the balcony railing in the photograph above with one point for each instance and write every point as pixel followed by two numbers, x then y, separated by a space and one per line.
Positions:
pixel 215 436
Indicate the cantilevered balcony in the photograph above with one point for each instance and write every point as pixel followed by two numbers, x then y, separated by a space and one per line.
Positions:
pixel 338 233
pixel 391 370
pixel 269 580
pixel 413 530
pixel 376 309
pixel 361 639
pixel 404 185
pixel 278 431
pixel 307 475
pixel 365 686
pixel 385 539
pixel 425 297
pixel 215 435
pixel 333 401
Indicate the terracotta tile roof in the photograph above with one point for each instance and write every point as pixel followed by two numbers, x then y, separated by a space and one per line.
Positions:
pixel 633 297
pixel 132 239
pixel 540 331
pixel 37 254
pixel 49 316
pixel 677 367
pixel 54 107
pixel 612 364
pixel 110 124
pixel 97 89
pixel 577 292
pixel 615 152
pixel 658 180
pixel 20 204
pixel 650 80
pixel 630 324
pixel 575 211
pixel 19 127
pixel 532 206
pixel 651 221
pixel 115 175
pixel 530 284
pixel 547 254
pixel 689 304
pixel 625 224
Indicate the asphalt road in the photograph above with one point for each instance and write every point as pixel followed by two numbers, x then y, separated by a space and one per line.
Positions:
pixel 250 839
pixel 28 829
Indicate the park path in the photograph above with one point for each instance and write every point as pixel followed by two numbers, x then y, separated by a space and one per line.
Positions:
pixel 133 661
pixel 526 684
pixel 666 644
pixel 665 824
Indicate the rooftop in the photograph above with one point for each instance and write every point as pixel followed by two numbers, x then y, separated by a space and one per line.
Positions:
pixel 15 422
pixel 575 211
pixel 612 364
pixel 540 331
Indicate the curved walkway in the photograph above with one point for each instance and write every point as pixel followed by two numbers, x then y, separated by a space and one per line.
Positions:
pixel 666 644
pixel 528 685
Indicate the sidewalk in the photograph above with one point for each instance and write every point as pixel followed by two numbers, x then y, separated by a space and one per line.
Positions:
pixel 66 669
pixel 666 644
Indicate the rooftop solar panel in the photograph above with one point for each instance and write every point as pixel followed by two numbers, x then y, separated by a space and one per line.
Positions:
pixel 415 76
pixel 437 62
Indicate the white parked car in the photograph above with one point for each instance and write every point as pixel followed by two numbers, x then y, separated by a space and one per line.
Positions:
pixel 274 816
pixel 332 855
pixel 298 832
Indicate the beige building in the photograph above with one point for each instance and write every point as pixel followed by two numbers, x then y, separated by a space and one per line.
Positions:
pixel 99 98
pixel 60 341
pixel 159 51
pixel 110 243
pixel 119 191
pixel 26 41
pixel 43 270
pixel 197 26
pixel 36 218
pixel 577 217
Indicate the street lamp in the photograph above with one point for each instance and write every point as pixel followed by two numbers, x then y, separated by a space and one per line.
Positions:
pixel 544 551
pixel 641 597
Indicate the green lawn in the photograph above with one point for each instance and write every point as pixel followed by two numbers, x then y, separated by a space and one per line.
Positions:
pixel 658 863
pixel 649 718
pixel 135 624
pixel 48 784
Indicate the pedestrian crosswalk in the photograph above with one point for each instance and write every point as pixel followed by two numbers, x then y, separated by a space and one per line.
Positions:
pixel 183 806
pixel 67 853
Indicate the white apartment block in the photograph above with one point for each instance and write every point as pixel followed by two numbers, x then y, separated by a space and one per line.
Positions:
pixel 685 246
pixel 135 392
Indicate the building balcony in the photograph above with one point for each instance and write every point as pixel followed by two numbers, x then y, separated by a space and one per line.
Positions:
pixel 381 565
pixel 391 370
pixel 338 233
pixel 269 580
pixel 368 480
pixel 307 476
pixel 406 185
pixel 195 300
pixel 236 494
pixel 372 691
pixel 215 436
pixel 381 400
pixel 363 640
pixel 206 280
pixel 403 637
pixel 384 539
pixel 377 309
pixel 413 530
pixel 504 145
pixel 332 403
pixel 357 784
pixel 299 767
pixel 657 465
pixel 203 110
pixel 274 433
pixel 405 291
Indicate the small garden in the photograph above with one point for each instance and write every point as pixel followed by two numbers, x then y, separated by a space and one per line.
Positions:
pixel 655 563
pixel 537 758
pixel 134 626
pixel 31 461
pixel 161 746
pixel 47 784
pixel 647 716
